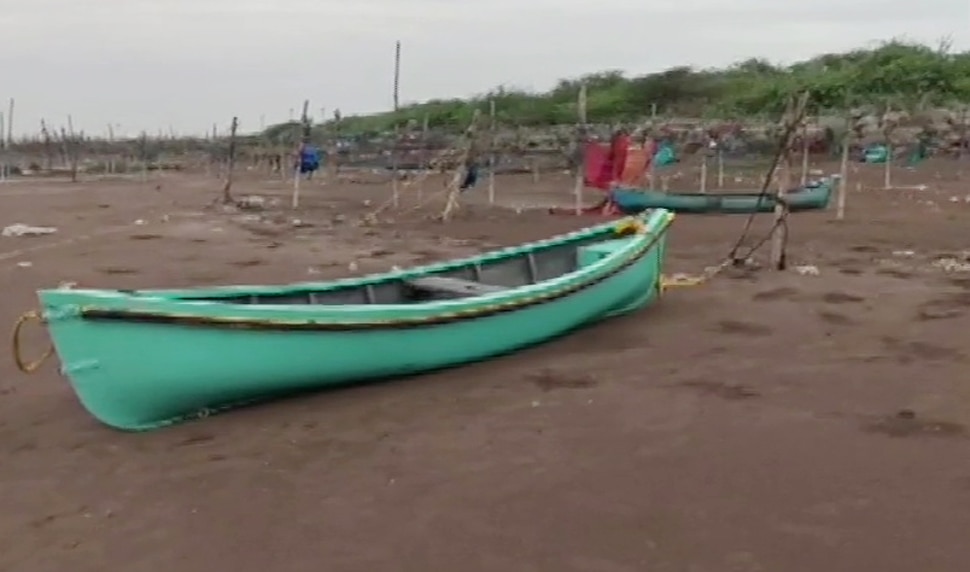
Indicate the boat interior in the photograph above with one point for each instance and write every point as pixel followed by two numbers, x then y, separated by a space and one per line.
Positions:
pixel 477 277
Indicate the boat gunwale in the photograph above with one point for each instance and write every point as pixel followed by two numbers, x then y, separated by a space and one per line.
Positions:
pixel 827 187
pixel 635 254
pixel 204 295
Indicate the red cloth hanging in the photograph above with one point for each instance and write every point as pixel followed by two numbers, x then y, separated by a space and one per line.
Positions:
pixel 619 149
pixel 596 168
pixel 604 163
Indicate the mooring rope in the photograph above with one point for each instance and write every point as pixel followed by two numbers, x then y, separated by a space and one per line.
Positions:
pixel 22 364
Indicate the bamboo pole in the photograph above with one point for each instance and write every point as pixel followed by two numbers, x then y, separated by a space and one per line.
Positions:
pixel 580 144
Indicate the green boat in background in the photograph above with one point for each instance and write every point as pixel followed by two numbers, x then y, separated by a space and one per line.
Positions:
pixel 813 196
pixel 144 359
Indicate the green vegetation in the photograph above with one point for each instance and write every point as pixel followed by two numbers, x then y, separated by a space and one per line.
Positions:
pixel 905 75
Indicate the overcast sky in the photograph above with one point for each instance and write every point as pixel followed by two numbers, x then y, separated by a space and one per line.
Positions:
pixel 184 64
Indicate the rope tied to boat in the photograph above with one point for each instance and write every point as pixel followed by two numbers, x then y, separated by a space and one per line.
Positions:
pixel 630 226
pixel 18 358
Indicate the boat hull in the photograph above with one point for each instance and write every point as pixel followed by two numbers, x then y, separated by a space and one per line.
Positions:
pixel 631 201
pixel 141 362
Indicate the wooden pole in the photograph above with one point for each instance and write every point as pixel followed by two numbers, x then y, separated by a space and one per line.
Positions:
pixel 213 147
pixel 720 166
pixel 424 161
pixel 469 157
pixel 48 146
pixel 230 162
pixel 304 141
pixel 3 151
pixel 793 116
pixel 397 74
pixel 491 152
pixel 962 148
pixel 704 171
pixel 10 109
pixel 111 144
pixel 887 128
pixel 580 144
pixel 73 147
pixel 395 185
pixel 805 148
pixel 143 150
pixel 9 142
pixel 844 167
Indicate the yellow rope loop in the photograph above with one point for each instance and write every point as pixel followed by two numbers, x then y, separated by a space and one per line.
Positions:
pixel 22 364
pixel 685 280
pixel 629 226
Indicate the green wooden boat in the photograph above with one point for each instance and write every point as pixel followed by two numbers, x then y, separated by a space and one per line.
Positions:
pixel 813 196
pixel 144 359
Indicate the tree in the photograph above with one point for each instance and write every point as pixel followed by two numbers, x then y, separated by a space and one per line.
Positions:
pixel 896 70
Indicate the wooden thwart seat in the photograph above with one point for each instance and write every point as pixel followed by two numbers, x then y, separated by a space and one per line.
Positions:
pixel 444 288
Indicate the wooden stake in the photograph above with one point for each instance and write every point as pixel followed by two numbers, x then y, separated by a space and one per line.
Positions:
pixel 467 153
pixel 844 167
pixel 230 162
pixel 111 156
pixel 469 157
pixel 9 144
pixel 143 149
pixel 580 144
pixel 73 148
pixel 491 152
pixel 704 172
pixel 10 109
pixel 425 152
pixel 887 129
pixel 395 186
pixel 794 114
pixel 48 146
pixel 304 141
pixel 961 149
pixel 805 148
pixel 3 151
pixel 720 167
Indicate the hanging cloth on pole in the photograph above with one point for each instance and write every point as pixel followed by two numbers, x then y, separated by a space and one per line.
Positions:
pixel 470 178
pixel 603 164
pixel 309 159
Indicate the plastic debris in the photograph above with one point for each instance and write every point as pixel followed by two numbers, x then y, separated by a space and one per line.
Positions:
pixel 20 229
